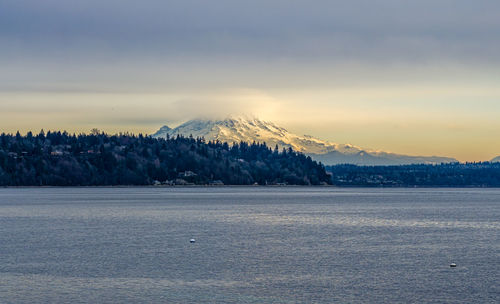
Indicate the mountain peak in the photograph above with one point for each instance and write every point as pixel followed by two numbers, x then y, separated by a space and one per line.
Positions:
pixel 165 128
pixel 238 128
pixel 163 131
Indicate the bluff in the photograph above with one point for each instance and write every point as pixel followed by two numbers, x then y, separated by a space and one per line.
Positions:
pixel 61 159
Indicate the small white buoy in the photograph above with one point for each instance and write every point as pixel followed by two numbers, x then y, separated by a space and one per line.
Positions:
pixel 192 240
pixel 453 265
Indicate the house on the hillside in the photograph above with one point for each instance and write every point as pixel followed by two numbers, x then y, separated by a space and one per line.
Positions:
pixel 187 174
pixel 56 153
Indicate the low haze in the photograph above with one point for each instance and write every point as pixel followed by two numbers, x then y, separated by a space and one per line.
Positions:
pixel 412 77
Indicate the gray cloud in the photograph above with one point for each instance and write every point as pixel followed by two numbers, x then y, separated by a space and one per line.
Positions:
pixel 276 28
pixel 151 45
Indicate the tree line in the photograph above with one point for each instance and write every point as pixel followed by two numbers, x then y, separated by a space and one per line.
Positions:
pixel 474 174
pixel 98 159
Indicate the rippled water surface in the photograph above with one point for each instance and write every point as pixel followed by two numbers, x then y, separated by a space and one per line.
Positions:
pixel 253 245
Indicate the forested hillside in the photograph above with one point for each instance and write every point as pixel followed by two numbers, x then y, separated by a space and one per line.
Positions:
pixel 482 174
pixel 98 159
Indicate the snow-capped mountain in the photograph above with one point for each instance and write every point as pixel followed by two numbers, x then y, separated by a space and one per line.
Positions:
pixel 496 160
pixel 250 129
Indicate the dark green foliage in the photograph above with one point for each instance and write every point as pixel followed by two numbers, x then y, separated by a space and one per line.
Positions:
pixel 61 159
pixel 482 174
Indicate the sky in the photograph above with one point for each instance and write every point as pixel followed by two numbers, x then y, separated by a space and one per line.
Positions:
pixel 413 77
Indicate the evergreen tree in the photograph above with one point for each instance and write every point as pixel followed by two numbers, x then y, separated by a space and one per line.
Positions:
pixel 61 159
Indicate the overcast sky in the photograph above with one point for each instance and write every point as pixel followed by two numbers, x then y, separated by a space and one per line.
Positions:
pixel 417 77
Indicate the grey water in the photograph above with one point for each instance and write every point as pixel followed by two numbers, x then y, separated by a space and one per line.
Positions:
pixel 253 245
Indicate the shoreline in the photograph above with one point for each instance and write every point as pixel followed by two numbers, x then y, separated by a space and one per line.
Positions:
pixel 257 186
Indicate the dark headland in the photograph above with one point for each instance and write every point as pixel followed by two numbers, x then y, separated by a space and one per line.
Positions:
pixel 98 159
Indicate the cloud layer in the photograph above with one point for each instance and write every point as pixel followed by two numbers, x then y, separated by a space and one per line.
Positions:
pixel 164 45
pixel 368 72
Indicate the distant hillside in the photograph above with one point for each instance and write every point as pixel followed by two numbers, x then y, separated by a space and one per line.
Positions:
pixel 249 129
pixel 496 160
pixel 60 159
pixel 364 158
pixel 445 175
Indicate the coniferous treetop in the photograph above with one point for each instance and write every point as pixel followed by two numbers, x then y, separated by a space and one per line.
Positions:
pixel 62 159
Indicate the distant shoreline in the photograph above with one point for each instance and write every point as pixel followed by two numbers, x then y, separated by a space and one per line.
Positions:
pixel 257 186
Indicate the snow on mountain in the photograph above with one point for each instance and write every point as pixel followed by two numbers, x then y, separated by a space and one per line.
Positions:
pixel 236 129
pixel 496 160
pixel 250 129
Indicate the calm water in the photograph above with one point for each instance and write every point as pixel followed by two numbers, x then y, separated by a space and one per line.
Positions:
pixel 253 245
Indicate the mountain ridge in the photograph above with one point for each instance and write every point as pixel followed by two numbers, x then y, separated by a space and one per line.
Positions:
pixel 235 129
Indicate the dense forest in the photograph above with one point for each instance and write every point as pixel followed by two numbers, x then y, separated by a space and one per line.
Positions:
pixel 482 174
pixel 98 159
